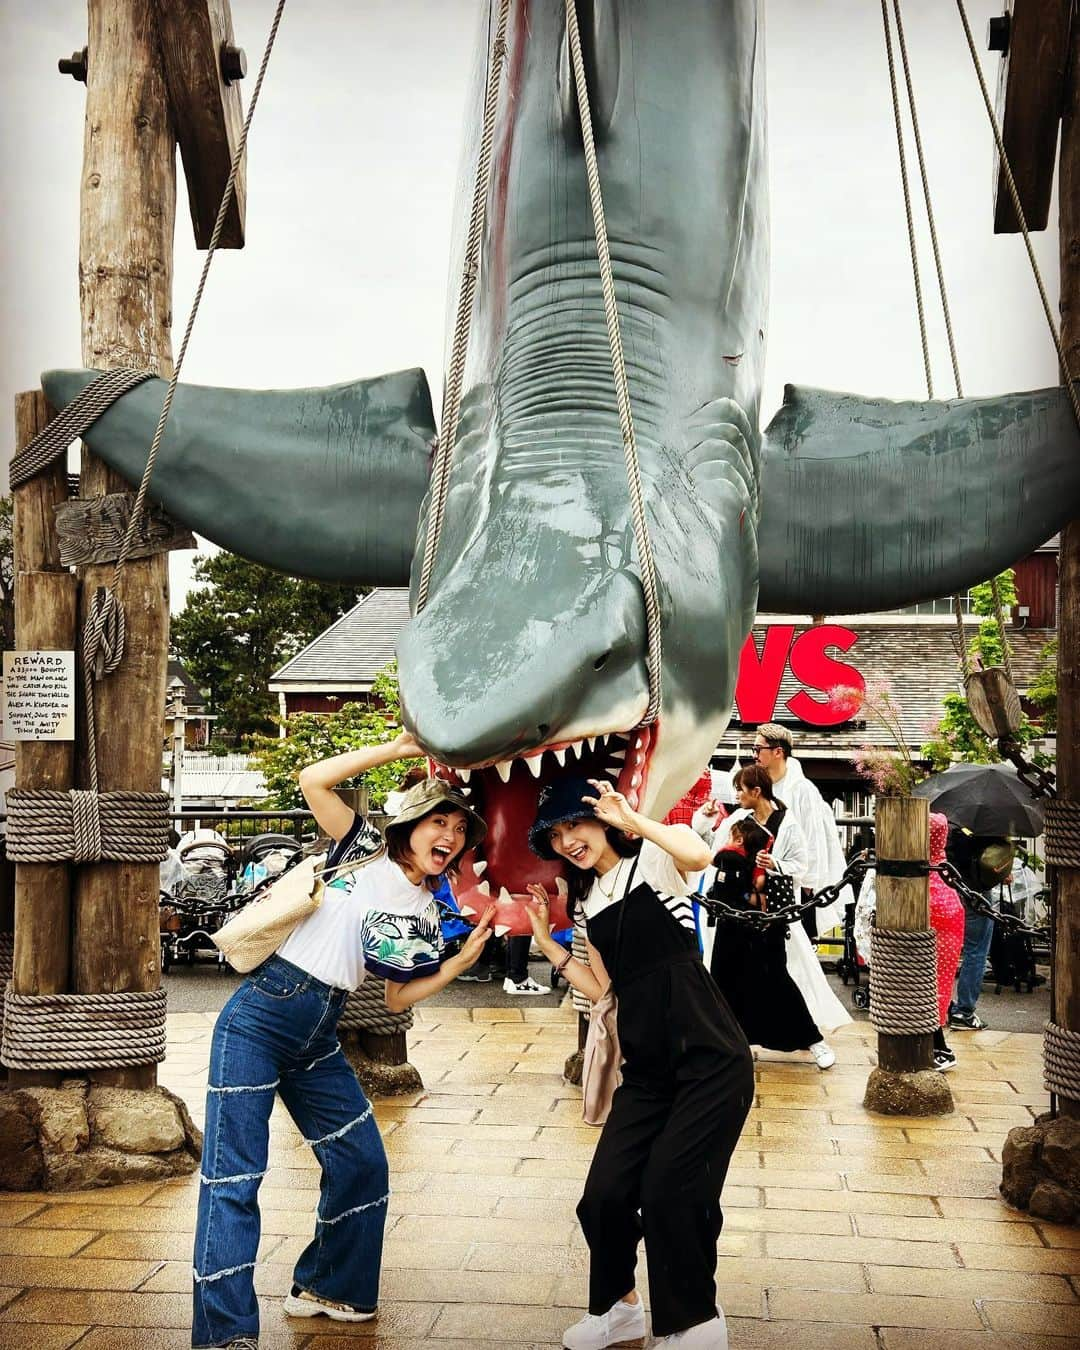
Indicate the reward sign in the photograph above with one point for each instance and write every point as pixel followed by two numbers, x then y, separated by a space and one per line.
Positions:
pixel 39 695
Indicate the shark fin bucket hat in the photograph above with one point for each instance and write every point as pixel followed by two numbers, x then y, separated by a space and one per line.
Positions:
pixel 423 798
pixel 559 802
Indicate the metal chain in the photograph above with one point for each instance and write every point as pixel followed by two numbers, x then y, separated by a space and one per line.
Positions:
pixel 855 870
pixel 1039 782
pixel 455 375
pixel 618 365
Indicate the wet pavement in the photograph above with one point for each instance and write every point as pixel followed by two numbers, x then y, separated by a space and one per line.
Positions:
pixel 843 1229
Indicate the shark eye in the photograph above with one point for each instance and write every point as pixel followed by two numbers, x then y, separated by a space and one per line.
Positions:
pixel 601 661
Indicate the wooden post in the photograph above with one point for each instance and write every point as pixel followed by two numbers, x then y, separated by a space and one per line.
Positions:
pixel 1066 976
pixel 905 1081
pixel 45 596
pixel 128 208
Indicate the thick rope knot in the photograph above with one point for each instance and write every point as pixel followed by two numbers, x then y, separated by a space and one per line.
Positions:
pixel 1061 1061
pixel 47 826
pixel 1063 832
pixel 85 826
pixel 83 1031
pixel 903 991
pixel 365 1010
pixel 103 634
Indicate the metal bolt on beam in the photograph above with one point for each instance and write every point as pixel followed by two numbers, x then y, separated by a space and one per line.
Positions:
pixel 75 66
pixel 997 33
pixel 233 63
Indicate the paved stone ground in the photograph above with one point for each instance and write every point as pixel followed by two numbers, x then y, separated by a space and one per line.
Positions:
pixel 843 1230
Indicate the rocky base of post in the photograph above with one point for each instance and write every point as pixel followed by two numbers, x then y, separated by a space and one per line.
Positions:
pixel 381 1063
pixel 923 1093
pixel 81 1135
pixel 1041 1169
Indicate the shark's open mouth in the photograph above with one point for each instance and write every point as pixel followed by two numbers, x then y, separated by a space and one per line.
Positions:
pixel 506 795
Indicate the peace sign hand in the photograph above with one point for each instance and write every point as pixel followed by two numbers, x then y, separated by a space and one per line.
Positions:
pixel 612 807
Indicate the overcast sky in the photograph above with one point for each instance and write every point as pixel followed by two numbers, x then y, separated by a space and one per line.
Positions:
pixel 351 174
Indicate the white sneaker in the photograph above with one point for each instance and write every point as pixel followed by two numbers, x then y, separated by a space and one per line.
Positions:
pixel 527 986
pixel 622 1324
pixel 711 1335
pixel 302 1303
pixel 823 1055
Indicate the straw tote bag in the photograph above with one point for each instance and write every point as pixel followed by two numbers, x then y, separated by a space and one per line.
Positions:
pixel 254 935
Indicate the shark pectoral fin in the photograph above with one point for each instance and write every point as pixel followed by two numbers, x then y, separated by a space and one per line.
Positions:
pixel 869 504
pixel 322 483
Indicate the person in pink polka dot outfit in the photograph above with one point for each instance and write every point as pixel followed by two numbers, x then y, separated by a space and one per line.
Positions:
pixel 947 920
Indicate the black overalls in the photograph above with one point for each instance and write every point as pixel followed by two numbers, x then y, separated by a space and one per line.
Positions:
pixel 688 1084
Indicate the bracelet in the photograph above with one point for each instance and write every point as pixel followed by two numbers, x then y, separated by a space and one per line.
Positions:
pixel 564 963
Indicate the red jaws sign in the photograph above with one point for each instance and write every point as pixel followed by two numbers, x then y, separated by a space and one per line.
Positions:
pixel 760 675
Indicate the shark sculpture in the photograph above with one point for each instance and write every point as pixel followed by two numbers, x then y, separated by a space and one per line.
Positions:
pixel 528 661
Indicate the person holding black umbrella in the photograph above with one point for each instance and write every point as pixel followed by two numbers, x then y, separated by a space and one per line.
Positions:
pixel 985 805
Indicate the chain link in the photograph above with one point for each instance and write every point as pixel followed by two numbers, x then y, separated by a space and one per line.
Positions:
pixel 973 900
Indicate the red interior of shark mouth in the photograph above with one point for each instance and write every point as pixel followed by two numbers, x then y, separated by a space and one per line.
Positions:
pixel 505 794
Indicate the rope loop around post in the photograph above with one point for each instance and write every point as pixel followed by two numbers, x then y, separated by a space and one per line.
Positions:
pixel 1061 1061
pixel 365 1010
pixel 47 826
pixel 1062 848
pixel 76 1032
pixel 903 990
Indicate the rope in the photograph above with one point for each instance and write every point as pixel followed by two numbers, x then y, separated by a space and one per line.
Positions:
pixel 49 826
pixel 1014 196
pixel 999 619
pixel 365 1010
pixel 907 198
pixel 1061 1061
pixel 928 201
pixel 1062 833
pixel 83 1031
pixel 618 366
pixel 79 415
pixel 7 966
pixel 903 991
pixel 455 376
pixel 961 639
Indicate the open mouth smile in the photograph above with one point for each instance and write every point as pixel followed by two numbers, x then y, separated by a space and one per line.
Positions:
pixel 505 793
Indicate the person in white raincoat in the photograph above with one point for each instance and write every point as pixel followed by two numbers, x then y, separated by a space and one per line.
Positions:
pixel 826 862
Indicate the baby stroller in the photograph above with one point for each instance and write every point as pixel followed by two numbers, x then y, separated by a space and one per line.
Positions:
pixel 264 858
pixel 195 900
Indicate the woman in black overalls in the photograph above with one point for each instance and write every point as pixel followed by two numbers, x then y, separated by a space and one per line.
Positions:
pixel 688 1079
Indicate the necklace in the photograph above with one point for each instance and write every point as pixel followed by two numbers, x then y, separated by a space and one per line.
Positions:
pixel 614 874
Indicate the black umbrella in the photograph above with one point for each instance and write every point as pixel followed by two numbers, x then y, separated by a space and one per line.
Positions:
pixel 985 799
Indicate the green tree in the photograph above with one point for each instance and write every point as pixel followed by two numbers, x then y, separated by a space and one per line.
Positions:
pixel 957 735
pixel 1043 689
pixel 239 626
pixel 315 736
pixel 7 575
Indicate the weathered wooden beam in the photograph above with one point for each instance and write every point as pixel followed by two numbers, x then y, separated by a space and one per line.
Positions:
pixel 45 605
pixel 94 531
pixel 1031 90
pixel 207 111
pixel 128 206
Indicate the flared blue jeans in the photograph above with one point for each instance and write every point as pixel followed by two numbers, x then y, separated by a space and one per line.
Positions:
pixel 278 1034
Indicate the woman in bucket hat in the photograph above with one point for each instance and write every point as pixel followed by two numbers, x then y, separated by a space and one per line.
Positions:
pixel 277 1035
pixel 687 1076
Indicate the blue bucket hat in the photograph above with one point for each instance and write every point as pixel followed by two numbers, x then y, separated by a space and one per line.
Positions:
pixel 558 803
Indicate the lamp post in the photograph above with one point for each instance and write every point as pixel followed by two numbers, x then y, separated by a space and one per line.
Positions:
pixel 179 717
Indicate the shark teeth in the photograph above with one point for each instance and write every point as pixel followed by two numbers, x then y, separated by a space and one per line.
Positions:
pixel 534 763
pixel 467 909
pixel 480 866
pixel 484 888
pixel 501 929
pixel 464 774
pixel 503 769
pixel 560 756
pixel 617 755
pixel 505 898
